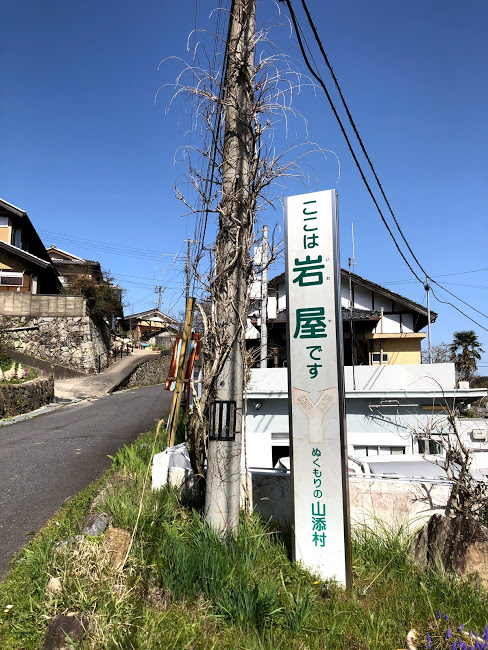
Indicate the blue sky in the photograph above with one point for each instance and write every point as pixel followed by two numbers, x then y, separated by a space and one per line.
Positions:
pixel 90 156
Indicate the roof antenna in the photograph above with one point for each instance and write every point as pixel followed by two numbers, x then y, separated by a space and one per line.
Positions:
pixel 352 262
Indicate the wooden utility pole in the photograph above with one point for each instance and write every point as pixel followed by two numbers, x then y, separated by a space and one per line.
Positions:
pixel 232 264
pixel 189 242
pixel 181 371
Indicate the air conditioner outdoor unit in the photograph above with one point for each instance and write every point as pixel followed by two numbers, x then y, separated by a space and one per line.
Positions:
pixel 479 434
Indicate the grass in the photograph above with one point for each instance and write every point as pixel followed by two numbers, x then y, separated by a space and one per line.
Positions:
pixel 184 587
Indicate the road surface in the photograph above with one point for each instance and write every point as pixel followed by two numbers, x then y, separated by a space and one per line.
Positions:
pixel 47 459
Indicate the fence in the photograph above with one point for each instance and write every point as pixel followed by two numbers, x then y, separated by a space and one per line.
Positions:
pixel 111 356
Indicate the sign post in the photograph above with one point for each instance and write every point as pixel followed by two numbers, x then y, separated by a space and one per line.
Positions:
pixel 320 499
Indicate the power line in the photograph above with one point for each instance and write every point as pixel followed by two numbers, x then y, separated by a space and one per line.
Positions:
pixel 440 275
pixel 117 249
pixel 301 40
pixel 461 300
pixel 447 302
pixel 351 150
pixel 353 124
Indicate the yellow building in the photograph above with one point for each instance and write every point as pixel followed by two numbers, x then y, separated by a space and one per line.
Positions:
pixel 25 265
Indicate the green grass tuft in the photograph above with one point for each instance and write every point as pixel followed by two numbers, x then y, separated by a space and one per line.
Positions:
pixel 185 587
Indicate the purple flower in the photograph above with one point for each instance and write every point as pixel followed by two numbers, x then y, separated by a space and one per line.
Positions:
pixel 461 628
pixel 429 642
pixel 448 633
pixel 446 617
pixel 439 614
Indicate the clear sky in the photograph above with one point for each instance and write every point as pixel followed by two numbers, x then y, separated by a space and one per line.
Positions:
pixel 87 152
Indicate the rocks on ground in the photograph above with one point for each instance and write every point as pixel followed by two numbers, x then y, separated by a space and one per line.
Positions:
pixel 63 631
pixel 116 544
pixel 95 524
pixel 458 544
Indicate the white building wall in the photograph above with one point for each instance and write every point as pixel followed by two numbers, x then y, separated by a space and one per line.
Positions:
pixel 369 422
pixel 407 323
pixel 281 291
pixel 390 325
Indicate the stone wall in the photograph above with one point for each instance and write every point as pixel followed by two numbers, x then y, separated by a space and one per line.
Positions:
pixel 151 372
pixel 16 399
pixel 74 342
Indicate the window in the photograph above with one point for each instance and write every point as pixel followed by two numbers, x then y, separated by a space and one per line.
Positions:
pixel 429 447
pixel 3 222
pixel 379 357
pixel 17 237
pixel 361 451
pixel 392 451
pixel 10 278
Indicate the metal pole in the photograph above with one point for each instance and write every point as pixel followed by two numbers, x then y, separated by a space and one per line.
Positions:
pixel 159 290
pixel 264 300
pixel 427 288
pixel 351 325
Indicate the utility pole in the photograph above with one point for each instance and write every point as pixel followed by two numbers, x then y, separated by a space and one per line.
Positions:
pixel 189 242
pixel 264 300
pixel 159 290
pixel 427 288
pixel 352 262
pixel 222 499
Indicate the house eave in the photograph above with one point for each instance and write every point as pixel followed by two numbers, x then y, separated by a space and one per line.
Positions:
pixel 25 255
pixel 471 394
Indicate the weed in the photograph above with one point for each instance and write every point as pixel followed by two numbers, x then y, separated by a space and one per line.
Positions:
pixel 247 605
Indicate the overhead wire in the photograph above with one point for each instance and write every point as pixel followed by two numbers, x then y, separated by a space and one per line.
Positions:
pixel 128 251
pixel 447 302
pixel 353 124
pixel 301 42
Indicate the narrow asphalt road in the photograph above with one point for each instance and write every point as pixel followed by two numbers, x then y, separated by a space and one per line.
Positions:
pixel 47 459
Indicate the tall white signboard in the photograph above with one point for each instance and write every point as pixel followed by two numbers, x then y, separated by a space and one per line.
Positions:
pixel 316 387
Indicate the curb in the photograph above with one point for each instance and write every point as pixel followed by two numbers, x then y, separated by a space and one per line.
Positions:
pixel 52 406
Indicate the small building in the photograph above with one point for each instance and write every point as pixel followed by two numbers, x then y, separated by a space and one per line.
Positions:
pixel 71 266
pixel 152 326
pixel 25 265
pixel 86 276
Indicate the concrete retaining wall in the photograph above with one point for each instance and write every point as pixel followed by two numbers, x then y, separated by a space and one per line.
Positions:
pixel 55 306
pixel 45 368
pixel 391 501
pixel 16 399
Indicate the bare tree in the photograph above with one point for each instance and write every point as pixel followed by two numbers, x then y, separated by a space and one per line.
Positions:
pixel 440 353
pixel 274 81
pixel 469 495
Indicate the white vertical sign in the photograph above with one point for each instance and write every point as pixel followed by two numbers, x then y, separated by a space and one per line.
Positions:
pixel 315 386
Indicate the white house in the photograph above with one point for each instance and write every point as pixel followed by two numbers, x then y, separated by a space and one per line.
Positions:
pixel 392 399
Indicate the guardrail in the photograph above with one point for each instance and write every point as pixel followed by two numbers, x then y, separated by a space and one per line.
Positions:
pixel 111 356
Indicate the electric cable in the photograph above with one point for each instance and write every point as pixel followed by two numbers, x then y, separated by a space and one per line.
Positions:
pixel 353 124
pixel 349 145
pixel 459 310
pixel 301 40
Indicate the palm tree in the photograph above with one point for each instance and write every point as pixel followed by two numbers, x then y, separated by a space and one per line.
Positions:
pixel 465 351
